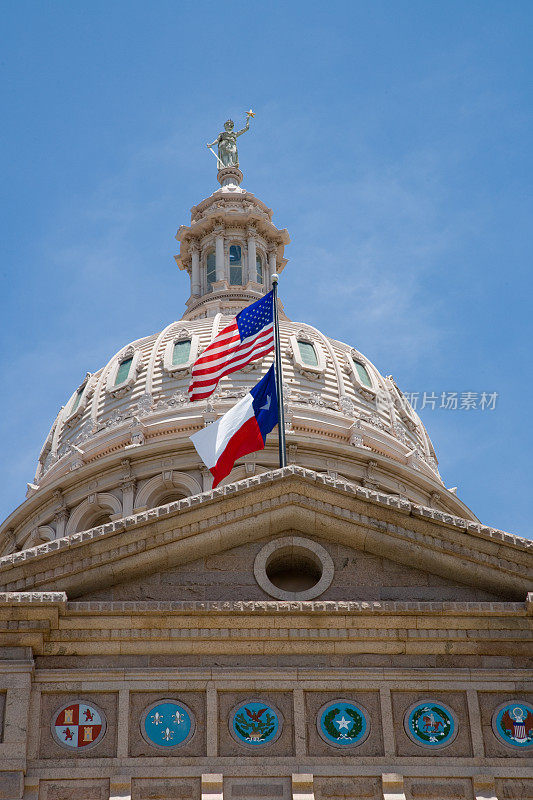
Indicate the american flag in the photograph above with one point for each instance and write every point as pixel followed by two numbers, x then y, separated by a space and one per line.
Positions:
pixel 249 337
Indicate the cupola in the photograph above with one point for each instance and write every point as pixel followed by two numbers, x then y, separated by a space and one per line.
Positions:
pixel 230 250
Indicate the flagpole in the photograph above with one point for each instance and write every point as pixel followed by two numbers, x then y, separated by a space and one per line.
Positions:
pixel 279 377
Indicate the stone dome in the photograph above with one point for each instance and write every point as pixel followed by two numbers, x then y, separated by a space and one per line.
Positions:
pixel 121 442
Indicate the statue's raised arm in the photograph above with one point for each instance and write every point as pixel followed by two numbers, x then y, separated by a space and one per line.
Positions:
pixel 249 114
pixel 227 143
pixel 246 127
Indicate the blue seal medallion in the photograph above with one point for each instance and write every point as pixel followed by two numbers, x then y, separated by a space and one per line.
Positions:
pixel 343 723
pixel 254 723
pixel 512 724
pixel 430 724
pixel 167 723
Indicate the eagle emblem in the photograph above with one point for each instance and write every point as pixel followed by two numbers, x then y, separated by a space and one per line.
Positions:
pixel 255 723
pixel 513 724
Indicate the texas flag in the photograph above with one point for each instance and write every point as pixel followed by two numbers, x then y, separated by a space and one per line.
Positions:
pixel 242 430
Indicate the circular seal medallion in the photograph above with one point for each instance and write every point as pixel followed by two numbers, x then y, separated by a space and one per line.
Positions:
pixel 343 723
pixel 512 724
pixel 167 723
pixel 430 724
pixel 78 725
pixel 254 723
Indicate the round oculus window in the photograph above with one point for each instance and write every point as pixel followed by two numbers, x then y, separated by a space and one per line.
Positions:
pixel 293 568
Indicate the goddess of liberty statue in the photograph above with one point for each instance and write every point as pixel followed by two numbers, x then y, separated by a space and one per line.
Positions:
pixel 227 143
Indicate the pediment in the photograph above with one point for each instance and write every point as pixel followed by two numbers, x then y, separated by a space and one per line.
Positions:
pixel 230 576
pixel 163 541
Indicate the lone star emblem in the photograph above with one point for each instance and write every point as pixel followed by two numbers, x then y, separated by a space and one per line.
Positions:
pixel 343 723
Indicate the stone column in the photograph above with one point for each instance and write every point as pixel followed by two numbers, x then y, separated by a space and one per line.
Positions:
pixel 128 494
pixel 302 786
pixel 252 255
pixel 61 519
pixel 219 252
pixel 195 270
pixel 476 731
pixel 212 721
pixel 271 263
pixel 392 786
pixel 61 516
pixel 207 478
pixel 388 720
pixel 120 787
pixel 484 787
pixel 299 723
pixel 31 788
pixel 212 786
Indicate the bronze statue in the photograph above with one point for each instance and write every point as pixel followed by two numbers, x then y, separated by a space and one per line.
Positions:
pixel 228 155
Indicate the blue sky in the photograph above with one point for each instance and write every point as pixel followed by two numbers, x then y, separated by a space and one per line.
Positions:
pixel 392 139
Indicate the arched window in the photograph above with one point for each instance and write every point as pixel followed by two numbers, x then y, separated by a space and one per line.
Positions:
pixel 362 373
pixel 101 519
pixel 235 265
pixel 77 399
pixel 259 268
pixel 211 268
pixel 181 352
pixel 308 353
pixel 168 497
pixel 123 371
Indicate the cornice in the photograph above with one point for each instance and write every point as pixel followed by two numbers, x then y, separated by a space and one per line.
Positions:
pixel 50 625
pixel 264 607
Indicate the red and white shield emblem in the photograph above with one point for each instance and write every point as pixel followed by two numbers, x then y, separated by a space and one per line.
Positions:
pixel 78 725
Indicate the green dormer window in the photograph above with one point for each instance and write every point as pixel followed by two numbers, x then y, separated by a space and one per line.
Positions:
pixel 362 373
pixel 211 267
pixel 123 371
pixel 235 265
pixel 308 353
pixel 181 352
pixel 77 399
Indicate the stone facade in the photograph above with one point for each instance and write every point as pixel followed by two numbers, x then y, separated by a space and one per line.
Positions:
pixel 342 628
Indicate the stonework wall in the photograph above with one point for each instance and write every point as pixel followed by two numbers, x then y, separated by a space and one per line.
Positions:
pixel 165 789
pixel 230 576
pixel 167 610
pixel 124 765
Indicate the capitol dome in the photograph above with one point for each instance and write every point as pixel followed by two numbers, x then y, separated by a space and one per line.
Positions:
pixel 120 445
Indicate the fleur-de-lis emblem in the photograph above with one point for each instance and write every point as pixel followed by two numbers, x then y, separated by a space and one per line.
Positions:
pixel 168 734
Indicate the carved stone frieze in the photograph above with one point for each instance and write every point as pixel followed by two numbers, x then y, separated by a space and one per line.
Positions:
pixel 346 406
pixel 144 405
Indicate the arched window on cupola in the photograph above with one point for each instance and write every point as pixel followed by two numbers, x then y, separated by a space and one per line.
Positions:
pixel 235 265
pixel 211 268
pixel 362 373
pixel 77 399
pixel 259 268
pixel 181 352
pixel 308 353
pixel 123 370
